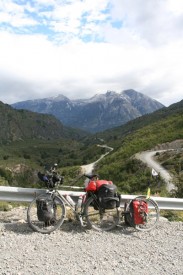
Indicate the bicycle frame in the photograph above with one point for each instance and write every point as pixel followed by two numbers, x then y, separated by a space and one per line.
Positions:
pixel 67 203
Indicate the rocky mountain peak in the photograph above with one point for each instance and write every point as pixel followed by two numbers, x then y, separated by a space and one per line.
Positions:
pixel 97 113
pixel 60 97
pixel 111 93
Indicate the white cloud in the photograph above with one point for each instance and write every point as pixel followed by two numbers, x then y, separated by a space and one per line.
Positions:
pixel 143 52
pixel 14 15
pixel 155 21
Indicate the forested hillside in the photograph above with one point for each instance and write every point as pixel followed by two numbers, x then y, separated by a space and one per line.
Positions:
pixel 142 134
pixel 26 125
pixel 114 135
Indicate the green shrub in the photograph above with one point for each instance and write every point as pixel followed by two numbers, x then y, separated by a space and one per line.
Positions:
pixel 172 216
pixel 4 206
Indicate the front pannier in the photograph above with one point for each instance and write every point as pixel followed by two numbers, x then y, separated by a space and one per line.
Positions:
pixel 45 210
pixel 108 197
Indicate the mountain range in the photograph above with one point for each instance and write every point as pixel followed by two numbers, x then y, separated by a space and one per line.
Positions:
pixel 98 113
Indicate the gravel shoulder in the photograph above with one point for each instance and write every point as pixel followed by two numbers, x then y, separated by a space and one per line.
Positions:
pixel 70 250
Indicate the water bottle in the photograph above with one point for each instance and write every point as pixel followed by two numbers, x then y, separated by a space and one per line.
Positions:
pixel 70 200
pixel 79 203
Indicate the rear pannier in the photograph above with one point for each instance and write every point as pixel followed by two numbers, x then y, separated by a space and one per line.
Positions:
pixel 108 196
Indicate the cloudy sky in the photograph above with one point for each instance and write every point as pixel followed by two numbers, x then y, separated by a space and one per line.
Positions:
pixel 80 48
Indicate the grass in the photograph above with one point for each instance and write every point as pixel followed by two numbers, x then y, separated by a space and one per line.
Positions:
pixel 172 215
pixel 7 206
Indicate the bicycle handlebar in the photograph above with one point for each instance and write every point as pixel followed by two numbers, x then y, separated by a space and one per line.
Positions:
pixel 52 178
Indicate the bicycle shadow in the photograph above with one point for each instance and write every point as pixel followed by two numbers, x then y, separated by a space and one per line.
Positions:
pixel 73 226
pixel 22 227
pixel 69 226
pixel 16 227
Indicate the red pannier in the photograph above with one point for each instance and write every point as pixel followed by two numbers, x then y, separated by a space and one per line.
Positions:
pixel 106 193
pixel 95 185
pixel 140 209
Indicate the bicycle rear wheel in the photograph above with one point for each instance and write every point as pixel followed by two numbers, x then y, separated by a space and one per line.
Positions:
pixel 150 217
pixel 98 218
pixel 47 226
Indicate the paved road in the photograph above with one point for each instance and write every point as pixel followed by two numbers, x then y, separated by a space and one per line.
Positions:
pixel 148 158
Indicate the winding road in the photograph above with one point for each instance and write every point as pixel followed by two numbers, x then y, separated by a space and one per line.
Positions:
pixel 148 158
pixel 88 168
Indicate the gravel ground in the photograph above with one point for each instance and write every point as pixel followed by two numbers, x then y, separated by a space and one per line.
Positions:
pixel 70 250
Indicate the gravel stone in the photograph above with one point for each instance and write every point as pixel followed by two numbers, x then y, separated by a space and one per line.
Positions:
pixel 71 250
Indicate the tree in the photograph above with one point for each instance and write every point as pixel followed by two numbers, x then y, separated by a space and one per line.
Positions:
pixel 179 184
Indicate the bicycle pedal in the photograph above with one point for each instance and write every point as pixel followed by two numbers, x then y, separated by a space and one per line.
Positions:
pixel 81 220
pixel 82 223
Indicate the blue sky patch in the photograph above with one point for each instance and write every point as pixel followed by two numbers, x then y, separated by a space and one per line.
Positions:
pixel 118 24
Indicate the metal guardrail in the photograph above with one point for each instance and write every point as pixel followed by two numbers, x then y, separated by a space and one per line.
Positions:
pixel 18 194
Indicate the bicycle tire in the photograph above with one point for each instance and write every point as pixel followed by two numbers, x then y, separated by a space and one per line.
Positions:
pixel 98 218
pixel 41 226
pixel 151 217
pixel 128 219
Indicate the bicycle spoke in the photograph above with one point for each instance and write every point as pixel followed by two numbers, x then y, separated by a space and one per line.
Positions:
pixel 101 219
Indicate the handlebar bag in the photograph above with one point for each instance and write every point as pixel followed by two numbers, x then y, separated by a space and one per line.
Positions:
pixel 50 179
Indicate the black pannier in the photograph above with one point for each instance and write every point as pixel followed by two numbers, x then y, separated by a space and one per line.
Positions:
pixel 128 214
pixel 108 196
pixel 46 209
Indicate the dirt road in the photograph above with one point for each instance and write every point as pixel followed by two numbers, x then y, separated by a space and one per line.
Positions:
pixel 88 168
pixel 148 158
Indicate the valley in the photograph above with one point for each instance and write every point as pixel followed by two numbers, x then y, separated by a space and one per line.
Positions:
pixel 32 148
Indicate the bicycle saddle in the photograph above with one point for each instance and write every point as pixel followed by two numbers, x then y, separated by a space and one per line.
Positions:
pixel 90 176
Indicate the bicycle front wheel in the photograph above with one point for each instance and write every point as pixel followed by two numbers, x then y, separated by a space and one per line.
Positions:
pixel 42 224
pixel 98 218
pixel 150 217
